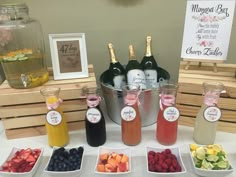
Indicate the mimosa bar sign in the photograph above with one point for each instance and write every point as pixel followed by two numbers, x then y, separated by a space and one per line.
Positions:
pixel 207 29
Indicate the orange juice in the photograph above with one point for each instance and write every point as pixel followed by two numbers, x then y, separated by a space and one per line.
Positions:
pixel 56 123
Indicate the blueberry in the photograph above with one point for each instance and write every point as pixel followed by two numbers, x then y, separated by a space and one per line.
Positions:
pixel 61 158
pixel 80 150
pixel 66 154
pixel 61 149
pixel 73 151
pixel 50 168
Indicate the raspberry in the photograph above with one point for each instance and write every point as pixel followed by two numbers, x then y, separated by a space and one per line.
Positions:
pixel 164 165
pixel 167 151
pixel 168 162
pixel 151 168
pixel 158 168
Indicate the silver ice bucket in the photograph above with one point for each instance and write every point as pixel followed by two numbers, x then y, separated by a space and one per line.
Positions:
pixel 148 107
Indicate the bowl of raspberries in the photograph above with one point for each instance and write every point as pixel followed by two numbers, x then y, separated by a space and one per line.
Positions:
pixel 164 161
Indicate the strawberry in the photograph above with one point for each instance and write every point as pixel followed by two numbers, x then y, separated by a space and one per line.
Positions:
pixel 25 153
pixel 30 158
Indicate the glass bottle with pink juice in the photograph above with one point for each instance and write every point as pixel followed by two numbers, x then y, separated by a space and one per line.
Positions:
pixel 208 115
pixel 167 120
pixel 130 115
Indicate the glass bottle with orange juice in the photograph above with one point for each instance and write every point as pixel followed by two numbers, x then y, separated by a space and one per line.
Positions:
pixel 56 123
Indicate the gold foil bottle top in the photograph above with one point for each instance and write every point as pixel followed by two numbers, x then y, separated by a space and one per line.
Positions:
pixel 131 53
pixel 148 46
pixel 112 53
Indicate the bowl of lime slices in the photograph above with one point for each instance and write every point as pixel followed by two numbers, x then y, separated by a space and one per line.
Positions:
pixel 210 160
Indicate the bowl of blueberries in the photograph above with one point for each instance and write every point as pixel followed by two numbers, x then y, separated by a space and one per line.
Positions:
pixel 65 161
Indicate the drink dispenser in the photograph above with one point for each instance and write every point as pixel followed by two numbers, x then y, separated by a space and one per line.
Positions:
pixel 22 52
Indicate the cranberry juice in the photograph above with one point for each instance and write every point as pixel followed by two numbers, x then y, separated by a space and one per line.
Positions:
pixel 95 126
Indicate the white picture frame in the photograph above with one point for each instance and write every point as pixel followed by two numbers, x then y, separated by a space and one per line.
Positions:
pixel 68 55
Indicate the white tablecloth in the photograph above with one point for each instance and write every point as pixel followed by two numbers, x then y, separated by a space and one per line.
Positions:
pixel 114 140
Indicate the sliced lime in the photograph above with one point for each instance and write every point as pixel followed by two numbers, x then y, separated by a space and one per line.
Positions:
pixel 200 153
pixel 23 58
pixel 206 165
pixel 212 158
pixel 20 55
pixel 223 164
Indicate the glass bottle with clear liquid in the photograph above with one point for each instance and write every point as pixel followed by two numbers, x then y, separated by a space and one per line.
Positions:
pixel 208 115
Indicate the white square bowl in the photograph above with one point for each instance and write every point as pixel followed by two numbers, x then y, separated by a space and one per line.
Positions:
pixel 21 174
pixel 113 153
pixel 71 173
pixel 174 151
pixel 208 172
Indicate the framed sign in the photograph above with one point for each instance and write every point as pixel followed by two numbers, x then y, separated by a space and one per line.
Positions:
pixel 69 55
pixel 207 29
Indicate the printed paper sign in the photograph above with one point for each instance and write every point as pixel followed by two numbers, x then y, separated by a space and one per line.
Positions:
pixel 207 29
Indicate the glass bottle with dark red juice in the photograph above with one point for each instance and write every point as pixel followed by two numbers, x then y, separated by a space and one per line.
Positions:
pixel 167 120
pixel 94 119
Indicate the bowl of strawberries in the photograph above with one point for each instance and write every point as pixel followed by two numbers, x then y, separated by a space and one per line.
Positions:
pixel 164 161
pixel 113 161
pixel 22 162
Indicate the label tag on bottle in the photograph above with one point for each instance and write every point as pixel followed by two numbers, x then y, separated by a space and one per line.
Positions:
pixel 128 113
pixel 119 81
pixel 93 115
pixel 151 78
pixel 137 76
pixel 53 117
pixel 212 113
pixel 171 114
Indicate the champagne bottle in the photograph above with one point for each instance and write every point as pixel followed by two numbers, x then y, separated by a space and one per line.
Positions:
pixel 134 72
pixel 116 70
pixel 149 65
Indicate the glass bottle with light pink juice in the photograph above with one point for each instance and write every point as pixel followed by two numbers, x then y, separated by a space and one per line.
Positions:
pixel 208 115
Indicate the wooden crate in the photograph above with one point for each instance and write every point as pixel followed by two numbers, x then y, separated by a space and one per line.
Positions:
pixel 23 110
pixel 190 98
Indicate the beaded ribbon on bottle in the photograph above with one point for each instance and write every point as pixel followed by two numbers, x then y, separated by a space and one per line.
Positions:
pixel 167 100
pixel 93 100
pixel 55 105
pixel 211 98
pixel 131 99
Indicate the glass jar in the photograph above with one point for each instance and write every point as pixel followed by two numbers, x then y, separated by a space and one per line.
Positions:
pixel 21 47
